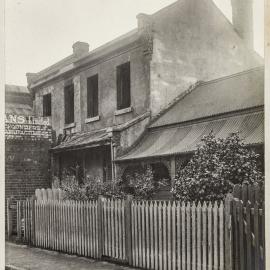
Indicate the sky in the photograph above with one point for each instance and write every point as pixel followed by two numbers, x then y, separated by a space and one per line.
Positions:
pixel 39 33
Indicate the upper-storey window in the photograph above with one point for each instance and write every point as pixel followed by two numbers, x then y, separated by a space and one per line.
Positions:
pixel 69 103
pixel 123 86
pixel 47 105
pixel 92 96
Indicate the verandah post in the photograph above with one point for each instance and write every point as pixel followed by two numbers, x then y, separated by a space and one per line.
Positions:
pixel 128 228
pixel 228 232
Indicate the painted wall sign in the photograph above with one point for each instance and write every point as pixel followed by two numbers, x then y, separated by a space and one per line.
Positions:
pixel 20 127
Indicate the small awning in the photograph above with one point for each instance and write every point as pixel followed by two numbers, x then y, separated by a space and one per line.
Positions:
pixel 83 140
pixel 183 139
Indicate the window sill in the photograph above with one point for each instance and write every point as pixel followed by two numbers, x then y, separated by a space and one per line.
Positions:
pixel 123 111
pixel 71 125
pixel 92 119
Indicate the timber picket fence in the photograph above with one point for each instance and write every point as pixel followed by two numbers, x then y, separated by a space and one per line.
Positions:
pixel 152 234
pixel 49 194
pixel 146 234
pixel 248 228
pixel 175 235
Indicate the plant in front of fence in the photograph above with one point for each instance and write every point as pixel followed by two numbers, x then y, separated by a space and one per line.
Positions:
pixel 216 166
pixel 142 185
pixel 90 189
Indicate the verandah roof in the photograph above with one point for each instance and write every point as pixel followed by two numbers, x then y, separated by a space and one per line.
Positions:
pixel 183 139
pixel 81 140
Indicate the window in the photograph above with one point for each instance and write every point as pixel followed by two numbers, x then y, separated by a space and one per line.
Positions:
pixel 123 86
pixel 92 96
pixel 69 104
pixel 47 105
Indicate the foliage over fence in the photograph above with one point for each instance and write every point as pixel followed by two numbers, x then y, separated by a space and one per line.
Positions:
pixel 141 186
pixel 216 166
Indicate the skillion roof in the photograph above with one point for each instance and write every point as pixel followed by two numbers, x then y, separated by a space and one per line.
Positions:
pixel 18 100
pixel 233 93
pixel 228 105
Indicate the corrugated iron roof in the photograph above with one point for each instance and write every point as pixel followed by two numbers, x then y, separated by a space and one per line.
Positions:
pixel 83 140
pixel 237 92
pixel 182 139
pixel 19 109
pixel 16 89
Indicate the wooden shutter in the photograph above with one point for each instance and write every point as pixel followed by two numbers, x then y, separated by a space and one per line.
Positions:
pixel 119 88
pixel 123 86
pixel 92 96
pixel 126 85
pixel 47 105
pixel 69 104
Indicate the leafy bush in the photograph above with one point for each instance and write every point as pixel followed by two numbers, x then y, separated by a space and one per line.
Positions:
pixel 216 166
pixel 142 185
pixel 91 189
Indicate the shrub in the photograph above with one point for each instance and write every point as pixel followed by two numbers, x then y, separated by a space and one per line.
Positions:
pixel 142 185
pixel 216 166
pixel 90 189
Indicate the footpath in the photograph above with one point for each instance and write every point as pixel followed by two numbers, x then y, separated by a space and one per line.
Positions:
pixel 21 257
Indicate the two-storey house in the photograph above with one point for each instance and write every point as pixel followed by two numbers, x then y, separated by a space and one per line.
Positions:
pixel 101 101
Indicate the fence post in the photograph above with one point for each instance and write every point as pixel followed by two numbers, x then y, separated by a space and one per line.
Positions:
pixel 100 225
pixel 228 232
pixel 9 218
pixel 128 228
pixel 32 205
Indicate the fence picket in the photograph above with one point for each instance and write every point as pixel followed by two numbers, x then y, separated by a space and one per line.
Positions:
pixel 178 218
pixel 204 236
pixel 221 236
pixel 215 235
pixel 199 246
pixel 151 227
pixel 156 258
pixel 256 237
pixel 210 246
pixel 165 230
pixel 183 222
pixel 147 235
pixel 241 235
pixel 136 240
pixel 193 211
pixel 160 234
pixel 173 237
pixel 188 244
pixel 235 235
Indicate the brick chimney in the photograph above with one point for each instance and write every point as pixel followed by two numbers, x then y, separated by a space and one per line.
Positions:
pixel 242 17
pixel 80 48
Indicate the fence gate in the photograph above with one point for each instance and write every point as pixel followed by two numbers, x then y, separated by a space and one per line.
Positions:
pixel 248 232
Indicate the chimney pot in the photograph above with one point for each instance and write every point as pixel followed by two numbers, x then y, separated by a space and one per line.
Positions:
pixel 80 48
pixel 30 77
pixel 143 20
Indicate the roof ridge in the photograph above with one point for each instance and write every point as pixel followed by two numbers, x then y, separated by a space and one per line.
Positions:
pixel 240 73
pixel 212 117
pixel 175 100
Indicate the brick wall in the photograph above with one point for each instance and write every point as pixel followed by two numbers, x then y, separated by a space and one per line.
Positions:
pixel 27 167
